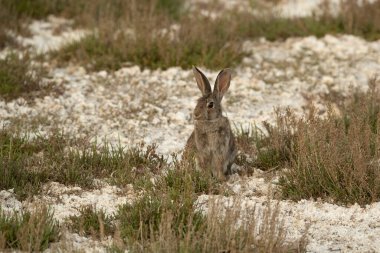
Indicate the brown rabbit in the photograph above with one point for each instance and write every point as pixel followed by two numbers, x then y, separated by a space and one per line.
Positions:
pixel 212 140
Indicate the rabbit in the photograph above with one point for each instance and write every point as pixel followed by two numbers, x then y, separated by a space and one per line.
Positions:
pixel 212 141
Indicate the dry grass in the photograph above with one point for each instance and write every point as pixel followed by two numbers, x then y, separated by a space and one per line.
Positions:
pixel 27 163
pixel 334 158
pixel 163 33
pixel 362 20
pixel 29 232
pixel 92 222
pixel 152 42
pixel 166 219
pixel 19 77
pixel 213 233
pixel 151 39
pixel 266 150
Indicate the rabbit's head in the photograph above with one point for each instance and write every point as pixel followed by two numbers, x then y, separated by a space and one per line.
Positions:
pixel 209 105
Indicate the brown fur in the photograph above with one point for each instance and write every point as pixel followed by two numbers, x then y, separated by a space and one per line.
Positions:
pixel 212 141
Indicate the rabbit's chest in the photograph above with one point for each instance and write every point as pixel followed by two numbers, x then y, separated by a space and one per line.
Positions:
pixel 213 142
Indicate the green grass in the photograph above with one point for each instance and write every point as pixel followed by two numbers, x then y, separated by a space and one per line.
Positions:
pixel 212 43
pixel 32 8
pixel 333 158
pixel 267 148
pixel 31 232
pixel 29 163
pixel 151 50
pixel 173 193
pixel 39 9
pixel 18 78
pixel 92 222
pixel 166 219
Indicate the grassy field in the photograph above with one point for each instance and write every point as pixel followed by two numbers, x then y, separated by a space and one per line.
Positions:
pixel 164 218
pixel 164 33
pixel 333 158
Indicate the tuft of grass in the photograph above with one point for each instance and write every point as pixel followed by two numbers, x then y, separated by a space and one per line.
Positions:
pixel 172 193
pixel 35 9
pixel 39 9
pixel 31 232
pixel 334 158
pixel 153 46
pixel 13 160
pixel 27 163
pixel 167 219
pixel 92 222
pixel 157 227
pixel 267 148
pixel 359 18
pixel 19 78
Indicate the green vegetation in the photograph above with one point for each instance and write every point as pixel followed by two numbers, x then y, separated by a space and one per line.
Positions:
pixel 265 149
pixel 31 232
pixel 18 78
pixel 28 163
pixel 173 193
pixel 92 222
pixel 152 50
pixel 166 219
pixel 334 158
pixel 164 214
pixel 154 42
pixel 163 33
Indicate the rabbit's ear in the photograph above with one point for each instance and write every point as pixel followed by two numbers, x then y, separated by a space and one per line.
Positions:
pixel 222 83
pixel 202 81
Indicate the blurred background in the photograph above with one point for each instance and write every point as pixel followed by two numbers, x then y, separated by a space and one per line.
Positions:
pixel 165 33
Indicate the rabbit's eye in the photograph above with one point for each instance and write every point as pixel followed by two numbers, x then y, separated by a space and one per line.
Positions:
pixel 210 105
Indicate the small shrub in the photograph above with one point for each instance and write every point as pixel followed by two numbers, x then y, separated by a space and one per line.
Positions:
pixel 31 232
pixel 93 223
pixel 174 194
pixel 333 158
pixel 157 228
pixel 14 152
pixel 267 149
pixel 18 78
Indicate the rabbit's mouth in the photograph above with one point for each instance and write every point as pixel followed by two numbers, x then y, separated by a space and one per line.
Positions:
pixel 201 117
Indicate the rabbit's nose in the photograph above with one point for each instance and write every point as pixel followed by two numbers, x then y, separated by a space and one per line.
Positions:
pixel 210 105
